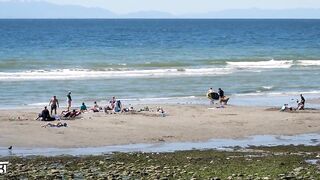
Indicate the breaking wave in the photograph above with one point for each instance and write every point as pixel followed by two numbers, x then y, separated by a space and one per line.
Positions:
pixel 65 74
pixel 272 64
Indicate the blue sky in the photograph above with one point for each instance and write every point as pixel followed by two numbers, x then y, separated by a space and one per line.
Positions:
pixel 188 6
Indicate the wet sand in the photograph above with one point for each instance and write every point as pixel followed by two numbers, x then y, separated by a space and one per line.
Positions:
pixel 182 123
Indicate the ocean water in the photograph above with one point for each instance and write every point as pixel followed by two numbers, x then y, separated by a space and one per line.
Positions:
pixel 260 62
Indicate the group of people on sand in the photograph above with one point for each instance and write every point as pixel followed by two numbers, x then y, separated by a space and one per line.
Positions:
pixel 114 106
pixel 45 115
pixel 300 105
pixel 220 96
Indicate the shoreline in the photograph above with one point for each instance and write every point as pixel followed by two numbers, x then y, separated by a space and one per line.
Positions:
pixel 183 123
pixel 310 140
pixel 247 100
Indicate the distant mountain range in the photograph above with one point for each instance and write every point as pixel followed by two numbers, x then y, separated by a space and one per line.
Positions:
pixel 37 9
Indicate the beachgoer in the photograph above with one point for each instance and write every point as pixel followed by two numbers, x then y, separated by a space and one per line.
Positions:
pixel 54 103
pixel 59 124
pixel 284 107
pixel 209 95
pixel 222 98
pixel 301 103
pixel 71 114
pixel 45 115
pixel 96 107
pixel 221 93
pixel 161 111
pixel 127 110
pixel 118 106
pixel 83 107
pixel 113 102
pixel 69 100
pixel 74 113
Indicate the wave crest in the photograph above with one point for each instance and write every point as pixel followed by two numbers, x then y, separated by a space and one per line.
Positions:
pixel 272 64
pixel 66 74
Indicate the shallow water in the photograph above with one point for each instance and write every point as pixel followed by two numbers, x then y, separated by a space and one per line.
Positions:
pixel 219 144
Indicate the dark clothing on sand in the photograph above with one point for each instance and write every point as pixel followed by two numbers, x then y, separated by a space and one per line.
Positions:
pixel 46 115
pixel 221 93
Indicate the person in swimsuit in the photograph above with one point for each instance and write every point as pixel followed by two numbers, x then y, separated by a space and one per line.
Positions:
pixel 54 103
pixel 69 100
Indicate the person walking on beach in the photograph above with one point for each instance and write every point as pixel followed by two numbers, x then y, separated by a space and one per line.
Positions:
pixel 222 97
pixel 69 100
pixel 210 95
pixel 54 103
pixel 301 103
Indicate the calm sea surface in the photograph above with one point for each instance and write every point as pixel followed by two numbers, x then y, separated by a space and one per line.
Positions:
pixel 263 62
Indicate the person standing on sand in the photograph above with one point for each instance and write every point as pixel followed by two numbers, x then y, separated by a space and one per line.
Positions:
pixel 54 103
pixel 69 100
pixel 301 103
pixel 209 95
pixel 222 97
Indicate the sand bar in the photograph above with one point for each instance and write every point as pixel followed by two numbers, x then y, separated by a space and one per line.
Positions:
pixel 183 123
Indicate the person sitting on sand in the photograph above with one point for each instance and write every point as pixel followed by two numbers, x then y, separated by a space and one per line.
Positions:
pixel 113 102
pixel 222 98
pixel 301 103
pixel 118 106
pixel 83 107
pixel 96 107
pixel 110 107
pixel 45 115
pixel 284 107
pixel 59 124
pixel 54 103
pixel 161 111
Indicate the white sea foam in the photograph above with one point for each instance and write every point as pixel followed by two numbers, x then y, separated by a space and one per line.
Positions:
pixel 267 87
pixel 38 104
pixel 262 64
pixel 292 93
pixel 309 62
pixel 65 74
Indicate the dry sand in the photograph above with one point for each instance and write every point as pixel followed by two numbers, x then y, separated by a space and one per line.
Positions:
pixel 183 123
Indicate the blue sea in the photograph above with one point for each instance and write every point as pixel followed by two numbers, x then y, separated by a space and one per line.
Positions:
pixel 256 62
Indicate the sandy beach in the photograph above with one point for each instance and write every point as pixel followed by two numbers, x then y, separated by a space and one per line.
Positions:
pixel 182 123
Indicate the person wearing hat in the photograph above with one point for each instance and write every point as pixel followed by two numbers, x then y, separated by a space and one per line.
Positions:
pixel 69 100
